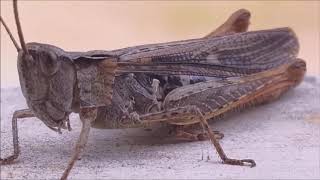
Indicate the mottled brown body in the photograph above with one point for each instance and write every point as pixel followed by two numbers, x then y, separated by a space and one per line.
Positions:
pixel 235 55
pixel 179 83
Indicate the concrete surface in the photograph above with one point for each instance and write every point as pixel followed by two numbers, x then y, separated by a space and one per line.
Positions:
pixel 282 137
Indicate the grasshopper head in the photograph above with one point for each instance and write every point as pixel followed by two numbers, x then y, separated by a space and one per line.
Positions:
pixel 47 81
pixel 35 70
pixel 46 77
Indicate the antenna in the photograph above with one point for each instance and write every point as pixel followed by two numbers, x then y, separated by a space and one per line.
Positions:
pixel 10 34
pixel 16 15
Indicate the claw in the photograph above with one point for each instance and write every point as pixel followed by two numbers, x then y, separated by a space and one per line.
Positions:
pixel 8 160
pixel 243 162
pixel 249 162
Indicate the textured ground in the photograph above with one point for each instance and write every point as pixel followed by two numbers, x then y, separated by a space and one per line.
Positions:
pixel 282 137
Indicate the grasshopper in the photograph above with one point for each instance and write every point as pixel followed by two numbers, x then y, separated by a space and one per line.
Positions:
pixel 179 83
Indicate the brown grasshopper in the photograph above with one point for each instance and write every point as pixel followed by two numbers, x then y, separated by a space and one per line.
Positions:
pixel 179 83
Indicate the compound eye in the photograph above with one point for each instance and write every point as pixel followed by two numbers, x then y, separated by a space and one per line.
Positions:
pixel 49 64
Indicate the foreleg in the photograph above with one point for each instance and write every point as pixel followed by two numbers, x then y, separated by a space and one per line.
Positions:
pixel 24 113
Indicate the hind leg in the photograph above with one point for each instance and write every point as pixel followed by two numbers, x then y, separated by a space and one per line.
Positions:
pixel 192 113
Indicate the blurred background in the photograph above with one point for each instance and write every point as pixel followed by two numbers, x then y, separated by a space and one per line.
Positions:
pixel 93 25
